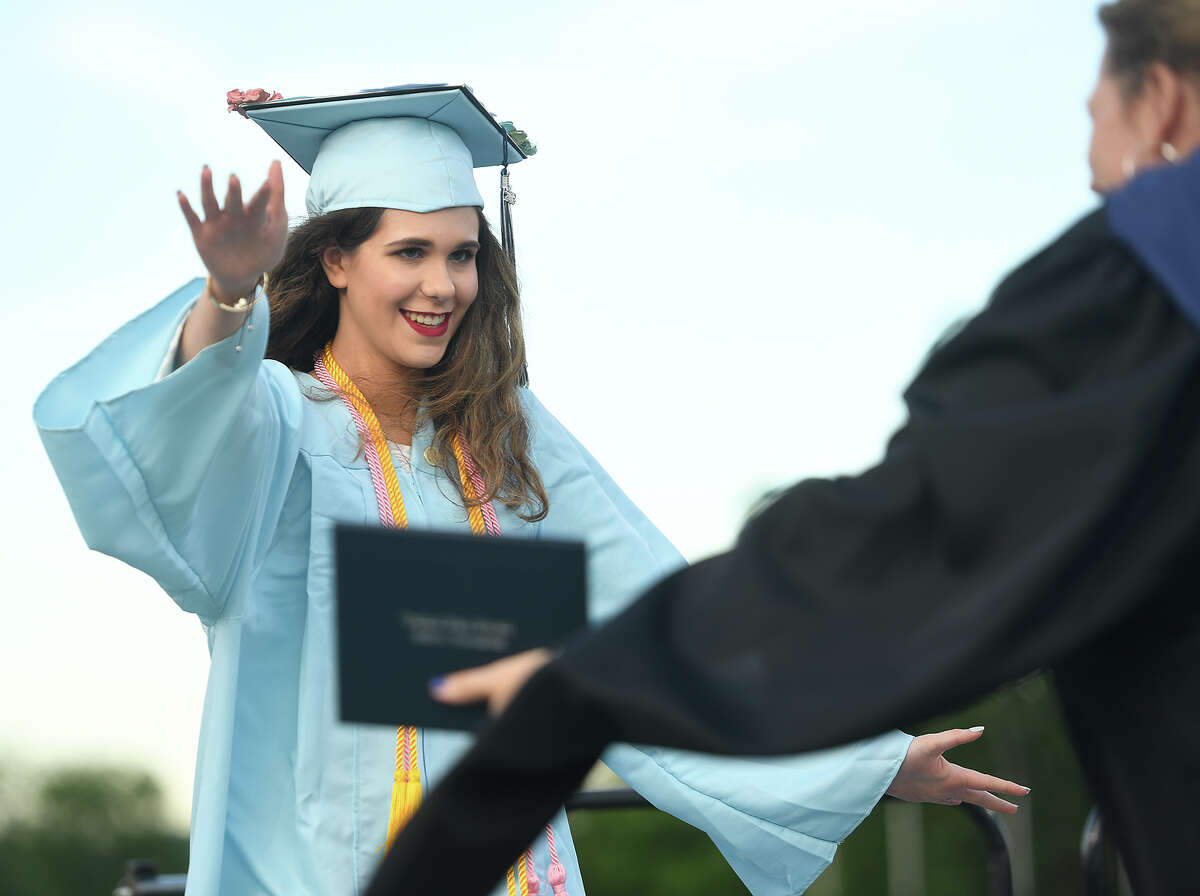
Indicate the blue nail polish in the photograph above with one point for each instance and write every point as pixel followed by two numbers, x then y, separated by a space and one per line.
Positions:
pixel 435 684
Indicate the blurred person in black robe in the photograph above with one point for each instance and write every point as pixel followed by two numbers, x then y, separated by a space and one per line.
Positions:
pixel 1040 508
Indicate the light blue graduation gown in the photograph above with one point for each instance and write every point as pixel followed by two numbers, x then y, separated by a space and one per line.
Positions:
pixel 222 481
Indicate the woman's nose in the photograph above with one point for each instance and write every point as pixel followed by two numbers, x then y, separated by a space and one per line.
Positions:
pixel 438 284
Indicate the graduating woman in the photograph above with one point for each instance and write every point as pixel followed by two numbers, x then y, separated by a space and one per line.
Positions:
pixel 376 374
pixel 1039 508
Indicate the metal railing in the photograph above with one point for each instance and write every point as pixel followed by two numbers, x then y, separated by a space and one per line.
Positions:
pixel 141 878
pixel 1092 852
pixel 999 864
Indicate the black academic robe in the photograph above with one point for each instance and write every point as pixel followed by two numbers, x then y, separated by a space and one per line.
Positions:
pixel 1040 508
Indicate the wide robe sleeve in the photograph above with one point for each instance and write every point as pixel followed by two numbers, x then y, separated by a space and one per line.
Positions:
pixel 1042 489
pixel 777 820
pixel 181 477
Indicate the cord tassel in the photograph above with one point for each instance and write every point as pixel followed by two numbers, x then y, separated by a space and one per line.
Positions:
pixel 406 799
pixel 556 875
pixel 533 882
pixel 406 784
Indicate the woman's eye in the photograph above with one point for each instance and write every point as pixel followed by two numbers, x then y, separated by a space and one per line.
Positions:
pixel 409 252
pixel 462 255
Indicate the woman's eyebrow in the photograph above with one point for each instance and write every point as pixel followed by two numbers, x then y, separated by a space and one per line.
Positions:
pixel 411 241
pixel 422 243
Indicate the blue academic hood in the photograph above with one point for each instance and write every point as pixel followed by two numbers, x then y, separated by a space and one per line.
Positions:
pixel 1158 215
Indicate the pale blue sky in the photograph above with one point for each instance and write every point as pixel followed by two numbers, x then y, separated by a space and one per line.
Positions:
pixel 745 225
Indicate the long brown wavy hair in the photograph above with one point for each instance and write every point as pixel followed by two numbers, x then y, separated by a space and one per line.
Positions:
pixel 475 384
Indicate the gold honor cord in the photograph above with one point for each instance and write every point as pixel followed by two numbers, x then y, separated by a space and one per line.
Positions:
pixel 406 785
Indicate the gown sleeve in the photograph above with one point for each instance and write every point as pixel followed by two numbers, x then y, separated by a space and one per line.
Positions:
pixel 777 821
pixel 181 477
pixel 1030 504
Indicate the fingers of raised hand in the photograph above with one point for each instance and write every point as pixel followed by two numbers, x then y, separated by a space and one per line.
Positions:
pixel 275 179
pixel 233 196
pixel 193 220
pixel 208 199
pixel 262 196
pixel 266 207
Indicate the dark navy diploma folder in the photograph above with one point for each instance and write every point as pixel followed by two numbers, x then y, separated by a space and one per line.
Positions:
pixel 415 605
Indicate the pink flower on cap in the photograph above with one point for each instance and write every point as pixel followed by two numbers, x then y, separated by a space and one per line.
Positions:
pixel 238 98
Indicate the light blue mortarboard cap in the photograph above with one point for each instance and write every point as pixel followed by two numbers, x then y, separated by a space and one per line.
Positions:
pixel 412 148
pixel 408 163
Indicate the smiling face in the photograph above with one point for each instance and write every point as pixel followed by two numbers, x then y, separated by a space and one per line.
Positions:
pixel 404 291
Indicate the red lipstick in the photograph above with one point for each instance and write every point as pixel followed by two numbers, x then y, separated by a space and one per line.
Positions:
pixel 425 330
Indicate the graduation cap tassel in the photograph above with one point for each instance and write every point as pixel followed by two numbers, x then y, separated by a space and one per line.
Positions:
pixel 507 198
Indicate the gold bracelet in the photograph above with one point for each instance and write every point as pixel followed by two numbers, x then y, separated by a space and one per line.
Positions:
pixel 243 303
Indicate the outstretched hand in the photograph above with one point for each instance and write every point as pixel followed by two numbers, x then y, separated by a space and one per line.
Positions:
pixel 926 776
pixel 241 241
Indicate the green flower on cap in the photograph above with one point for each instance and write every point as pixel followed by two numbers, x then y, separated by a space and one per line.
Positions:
pixel 520 138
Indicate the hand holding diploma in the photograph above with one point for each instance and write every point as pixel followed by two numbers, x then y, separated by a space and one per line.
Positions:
pixel 495 683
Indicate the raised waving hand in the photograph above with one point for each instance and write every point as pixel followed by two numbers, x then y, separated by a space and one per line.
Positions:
pixel 239 242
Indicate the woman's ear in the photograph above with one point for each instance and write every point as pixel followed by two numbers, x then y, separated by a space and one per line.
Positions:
pixel 1162 100
pixel 333 260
